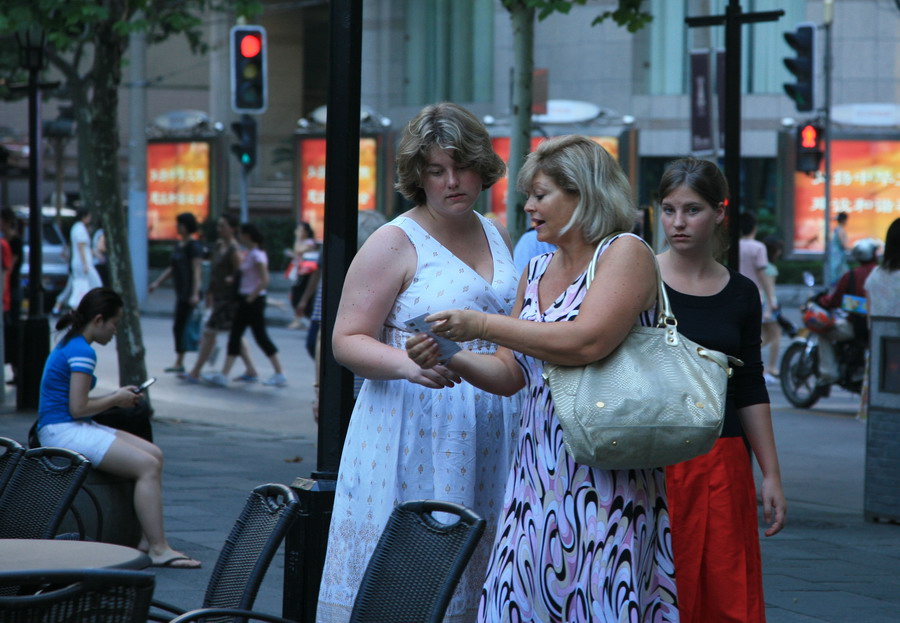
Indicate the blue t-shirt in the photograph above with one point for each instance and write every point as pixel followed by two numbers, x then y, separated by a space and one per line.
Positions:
pixel 528 247
pixel 76 355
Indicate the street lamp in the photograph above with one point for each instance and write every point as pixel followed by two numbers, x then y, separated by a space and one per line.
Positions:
pixel 35 330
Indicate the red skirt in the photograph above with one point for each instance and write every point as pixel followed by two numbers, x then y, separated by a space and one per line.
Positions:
pixel 715 536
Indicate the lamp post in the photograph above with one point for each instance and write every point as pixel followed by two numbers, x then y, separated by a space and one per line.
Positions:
pixel 35 330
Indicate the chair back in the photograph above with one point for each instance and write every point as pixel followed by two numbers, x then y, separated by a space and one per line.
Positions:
pixel 417 563
pixel 249 549
pixel 40 491
pixel 10 453
pixel 84 595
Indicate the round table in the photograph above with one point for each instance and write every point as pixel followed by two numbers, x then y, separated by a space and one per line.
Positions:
pixel 40 554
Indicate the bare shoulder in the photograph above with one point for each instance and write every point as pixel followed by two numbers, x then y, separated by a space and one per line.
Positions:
pixel 388 253
pixel 629 248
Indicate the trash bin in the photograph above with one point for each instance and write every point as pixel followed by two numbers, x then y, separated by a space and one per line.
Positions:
pixel 881 499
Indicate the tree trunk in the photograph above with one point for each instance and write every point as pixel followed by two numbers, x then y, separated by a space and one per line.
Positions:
pixel 107 75
pixel 522 18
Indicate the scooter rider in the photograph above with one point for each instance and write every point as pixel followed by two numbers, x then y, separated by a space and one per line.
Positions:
pixel 854 326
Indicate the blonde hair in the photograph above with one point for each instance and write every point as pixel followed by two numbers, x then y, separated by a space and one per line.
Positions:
pixel 445 126
pixel 582 167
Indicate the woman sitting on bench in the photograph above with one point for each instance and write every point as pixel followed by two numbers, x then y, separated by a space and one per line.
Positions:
pixel 64 418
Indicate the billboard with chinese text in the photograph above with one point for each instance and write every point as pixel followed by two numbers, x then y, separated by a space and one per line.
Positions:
pixel 311 178
pixel 865 183
pixel 178 180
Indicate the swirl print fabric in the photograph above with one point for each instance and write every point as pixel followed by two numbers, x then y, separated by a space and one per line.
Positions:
pixel 575 543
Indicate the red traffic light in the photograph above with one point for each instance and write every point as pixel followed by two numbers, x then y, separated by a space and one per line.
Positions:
pixel 248 69
pixel 251 45
pixel 809 147
pixel 809 137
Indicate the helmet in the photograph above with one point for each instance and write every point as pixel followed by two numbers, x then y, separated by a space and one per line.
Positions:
pixel 816 318
pixel 864 251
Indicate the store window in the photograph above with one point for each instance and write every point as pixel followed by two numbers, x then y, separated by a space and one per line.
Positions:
pixel 663 47
pixel 448 51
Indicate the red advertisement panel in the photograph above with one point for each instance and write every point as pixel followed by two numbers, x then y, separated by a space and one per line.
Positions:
pixel 177 181
pixel 865 184
pixel 312 179
pixel 501 146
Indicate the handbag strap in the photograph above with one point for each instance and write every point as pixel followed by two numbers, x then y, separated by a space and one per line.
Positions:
pixel 665 317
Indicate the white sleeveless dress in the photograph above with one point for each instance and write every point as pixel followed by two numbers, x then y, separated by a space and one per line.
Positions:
pixel 408 442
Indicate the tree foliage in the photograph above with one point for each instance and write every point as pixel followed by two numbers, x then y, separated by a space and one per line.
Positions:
pixel 627 14
pixel 86 45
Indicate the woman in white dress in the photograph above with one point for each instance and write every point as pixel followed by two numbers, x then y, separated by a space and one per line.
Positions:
pixel 414 433
pixel 84 275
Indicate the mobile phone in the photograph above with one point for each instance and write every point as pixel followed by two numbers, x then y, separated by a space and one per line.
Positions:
pixel 145 385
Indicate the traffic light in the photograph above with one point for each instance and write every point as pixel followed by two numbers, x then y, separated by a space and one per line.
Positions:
pixel 248 69
pixel 809 147
pixel 245 148
pixel 802 41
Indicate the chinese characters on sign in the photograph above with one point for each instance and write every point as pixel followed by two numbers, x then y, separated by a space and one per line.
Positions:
pixel 865 184
pixel 177 181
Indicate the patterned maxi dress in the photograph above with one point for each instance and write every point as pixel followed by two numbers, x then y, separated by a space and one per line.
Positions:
pixel 575 543
pixel 407 442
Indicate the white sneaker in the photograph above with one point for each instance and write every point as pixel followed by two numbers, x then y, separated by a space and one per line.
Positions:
pixel 276 380
pixel 769 379
pixel 215 378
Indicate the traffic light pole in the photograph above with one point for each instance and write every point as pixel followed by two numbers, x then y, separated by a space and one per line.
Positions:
pixel 733 19
pixel 827 66
pixel 245 179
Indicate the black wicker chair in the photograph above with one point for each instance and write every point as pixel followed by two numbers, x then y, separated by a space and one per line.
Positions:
pixel 412 573
pixel 10 453
pixel 85 596
pixel 40 491
pixel 256 536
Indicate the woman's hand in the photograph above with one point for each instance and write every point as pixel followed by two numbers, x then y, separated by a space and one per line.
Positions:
pixel 774 505
pixel 127 396
pixel 459 325
pixel 423 350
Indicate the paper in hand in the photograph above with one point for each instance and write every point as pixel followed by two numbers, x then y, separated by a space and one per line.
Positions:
pixel 446 348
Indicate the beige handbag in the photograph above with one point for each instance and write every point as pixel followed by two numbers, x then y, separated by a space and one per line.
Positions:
pixel 658 399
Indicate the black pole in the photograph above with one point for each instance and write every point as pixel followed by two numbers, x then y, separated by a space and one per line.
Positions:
pixel 308 537
pixel 35 339
pixel 733 127
pixel 733 19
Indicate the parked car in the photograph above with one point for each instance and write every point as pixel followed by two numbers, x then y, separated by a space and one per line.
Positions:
pixel 54 254
pixel 15 147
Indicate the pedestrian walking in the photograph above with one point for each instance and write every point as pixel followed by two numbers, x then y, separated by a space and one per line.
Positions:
pixel 184 268
pixel 250 311
pixel 222 300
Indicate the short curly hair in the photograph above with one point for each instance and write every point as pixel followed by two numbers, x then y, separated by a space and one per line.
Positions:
pixel 446 126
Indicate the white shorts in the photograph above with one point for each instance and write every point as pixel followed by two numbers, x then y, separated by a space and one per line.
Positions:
pixel 85 436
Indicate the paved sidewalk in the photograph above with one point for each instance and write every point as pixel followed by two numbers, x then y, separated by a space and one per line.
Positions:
pixel 828 565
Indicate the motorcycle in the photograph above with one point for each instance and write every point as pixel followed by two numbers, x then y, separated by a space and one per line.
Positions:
pixel 800 374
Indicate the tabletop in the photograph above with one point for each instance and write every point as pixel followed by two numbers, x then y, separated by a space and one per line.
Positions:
pixel 39 554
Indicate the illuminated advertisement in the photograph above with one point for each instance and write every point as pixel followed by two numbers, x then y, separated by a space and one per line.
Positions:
pixel 501 146
pixel 865 184
pixel 177 181
pixel 311 178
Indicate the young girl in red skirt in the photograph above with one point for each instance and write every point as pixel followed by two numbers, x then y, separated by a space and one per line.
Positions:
pixel 712 498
